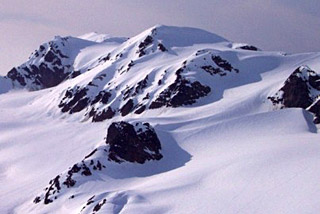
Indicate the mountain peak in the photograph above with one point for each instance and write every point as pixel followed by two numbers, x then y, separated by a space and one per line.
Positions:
pixel 94 37
pixel 174 36
pixel 100 38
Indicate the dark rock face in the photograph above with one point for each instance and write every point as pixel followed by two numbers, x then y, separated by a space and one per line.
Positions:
pixel 222 66
pixel 102 97
pixel 74 100
pixel 300 90
pixel 181 92
pixel 140 109
pixel 104 115
pixel 133 143
pixel 186 92
pixel 14 75
pixel 141 85
pixel 99 205
pixel 138 89
pixel 248 48
pixel 150 42
pixel 95 203
pixel 162 47
pixel 51 190
pixel 144 44
pixel 47 67
pixel 70 178
pixel 296 90
pixel 89 201
pixel 222 63
pixel 77 99
pixel 127 108
pixel 105 58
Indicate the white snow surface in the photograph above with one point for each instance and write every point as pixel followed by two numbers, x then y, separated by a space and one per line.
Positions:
pixel 230 152
pixel 96 37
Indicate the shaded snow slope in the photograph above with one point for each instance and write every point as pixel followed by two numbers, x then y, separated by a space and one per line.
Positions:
pixel 5 84
pixel 197 110
pixel 95 37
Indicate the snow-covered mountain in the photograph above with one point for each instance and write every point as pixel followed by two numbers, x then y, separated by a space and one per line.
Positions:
pixel 173 120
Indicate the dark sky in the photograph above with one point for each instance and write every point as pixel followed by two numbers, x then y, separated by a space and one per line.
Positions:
pixel 284 25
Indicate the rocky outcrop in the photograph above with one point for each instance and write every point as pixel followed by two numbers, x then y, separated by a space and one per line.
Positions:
pixel 133 143
pixel 181 92
pixel 151 42
pixel 125 142
pixel 101 116
pixel 221 67
pixel 300 90
pixel 47 67
pixel 76 175
pixel 184 91
pixel 102 103
pixel 248 48
pixel 74 100
pixel 127 108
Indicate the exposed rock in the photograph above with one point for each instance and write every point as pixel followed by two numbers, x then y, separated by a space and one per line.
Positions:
pixel 127 93
pixel 181 92
pixel 221 67
pixel 138 89
pixel 14 75
pixel 90 200
pixel 315 109
pixel 248 47
pixel 75 74
pixel 99 205
pixel 102 97
pixel 222 63
pixel 105 58
pixel 47 67
pixel 144 44
pixel 133 143
pixel 162 47
pixel 300 90
pixel 70 178
pixel 74 100
pixel 140 109
pixel 297 90
pixel 99 94
pixel 104 115
pixel 127 108
pixel 36 200
pixel 141 85
pixel 51 190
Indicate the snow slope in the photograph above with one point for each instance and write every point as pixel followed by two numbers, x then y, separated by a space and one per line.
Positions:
pixel 6 85
pixel 226 150
pixel 95 37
